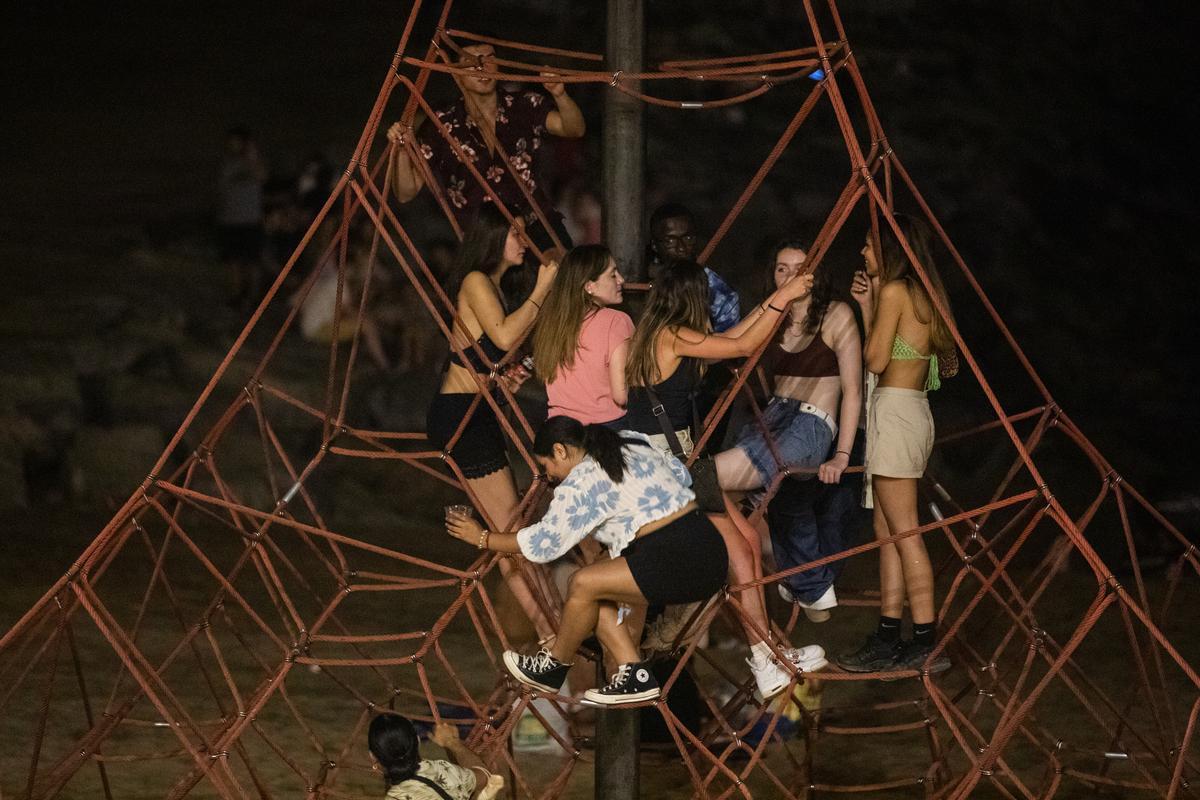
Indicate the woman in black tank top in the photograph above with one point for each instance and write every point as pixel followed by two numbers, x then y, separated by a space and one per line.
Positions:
pixel 491 247
pixel 673 340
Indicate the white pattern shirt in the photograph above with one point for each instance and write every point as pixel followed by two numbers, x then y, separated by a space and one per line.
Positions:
pixel 456 781
pixel 655 486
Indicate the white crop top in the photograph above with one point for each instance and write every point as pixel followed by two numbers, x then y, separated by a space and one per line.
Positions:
pixel 655 485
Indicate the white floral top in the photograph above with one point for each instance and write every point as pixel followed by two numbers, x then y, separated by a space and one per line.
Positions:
pixel 655 485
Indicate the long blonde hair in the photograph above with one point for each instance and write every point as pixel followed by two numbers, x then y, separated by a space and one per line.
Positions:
pixel 678 299
pixel 556 338
pixel 895 266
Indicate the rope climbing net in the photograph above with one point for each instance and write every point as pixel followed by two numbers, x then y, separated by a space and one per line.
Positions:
pixel 220 638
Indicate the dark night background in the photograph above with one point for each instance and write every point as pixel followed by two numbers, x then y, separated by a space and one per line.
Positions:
pixel 1055 141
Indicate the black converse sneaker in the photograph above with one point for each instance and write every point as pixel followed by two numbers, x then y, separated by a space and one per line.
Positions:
pixel 541 670
pixel 632 683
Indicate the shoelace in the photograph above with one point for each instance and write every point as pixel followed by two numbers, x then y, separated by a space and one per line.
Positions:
pixel 618 680
pixel 540 662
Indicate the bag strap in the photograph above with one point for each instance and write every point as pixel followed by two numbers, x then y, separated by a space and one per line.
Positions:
pixel 436 787
pixel 660 413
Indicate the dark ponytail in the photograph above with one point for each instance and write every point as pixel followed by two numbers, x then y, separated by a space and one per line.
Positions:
pixel 392 739
pixel 602 444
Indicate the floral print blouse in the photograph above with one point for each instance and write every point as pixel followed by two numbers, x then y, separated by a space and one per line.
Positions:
pixel 520 127
pixel 655 485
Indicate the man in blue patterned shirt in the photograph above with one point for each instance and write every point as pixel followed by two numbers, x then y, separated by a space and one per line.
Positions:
pixel 673 237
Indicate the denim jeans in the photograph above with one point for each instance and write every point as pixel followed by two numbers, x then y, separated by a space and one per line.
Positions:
pixel 810 520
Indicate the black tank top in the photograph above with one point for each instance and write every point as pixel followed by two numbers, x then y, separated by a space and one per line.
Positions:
pixel 675 393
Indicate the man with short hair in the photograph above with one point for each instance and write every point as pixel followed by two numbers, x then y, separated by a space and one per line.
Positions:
pixel 673 237
pixel 488 125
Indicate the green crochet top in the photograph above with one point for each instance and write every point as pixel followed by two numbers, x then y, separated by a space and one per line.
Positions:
pixel 903 351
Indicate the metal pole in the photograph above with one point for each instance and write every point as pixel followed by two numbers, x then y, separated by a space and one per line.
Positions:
pixel 618 730
pixel 624 142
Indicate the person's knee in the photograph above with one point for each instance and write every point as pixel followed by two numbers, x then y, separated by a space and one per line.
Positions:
pixel 582 585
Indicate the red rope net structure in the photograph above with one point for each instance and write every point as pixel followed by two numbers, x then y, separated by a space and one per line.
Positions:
pixel 219 638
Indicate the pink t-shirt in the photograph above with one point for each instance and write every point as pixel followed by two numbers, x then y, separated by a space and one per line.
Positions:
pixel 583 390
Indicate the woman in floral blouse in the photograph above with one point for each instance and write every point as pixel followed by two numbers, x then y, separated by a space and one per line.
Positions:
pixel 635 500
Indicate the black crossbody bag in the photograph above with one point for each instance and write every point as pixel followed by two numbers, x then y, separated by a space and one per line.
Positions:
pixel 440 791
pixel 704 470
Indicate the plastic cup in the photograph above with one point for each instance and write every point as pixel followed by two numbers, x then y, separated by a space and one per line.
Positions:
pixel 458 510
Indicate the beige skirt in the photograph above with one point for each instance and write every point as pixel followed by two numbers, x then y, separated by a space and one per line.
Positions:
pixel 899 433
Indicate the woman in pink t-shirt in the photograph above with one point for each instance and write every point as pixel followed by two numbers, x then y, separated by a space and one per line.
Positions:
pixel 580 344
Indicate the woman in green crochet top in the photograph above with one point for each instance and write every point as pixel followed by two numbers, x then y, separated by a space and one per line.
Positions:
pixel 904 333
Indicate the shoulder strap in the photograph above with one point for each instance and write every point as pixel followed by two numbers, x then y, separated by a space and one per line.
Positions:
pixel 660 414
pixel 440 791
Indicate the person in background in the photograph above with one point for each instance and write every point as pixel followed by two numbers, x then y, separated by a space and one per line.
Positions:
pixel 240 217
pixel 395 752
pixel 581 343
pixel 905 332
pixel 485 122
pixel 673 238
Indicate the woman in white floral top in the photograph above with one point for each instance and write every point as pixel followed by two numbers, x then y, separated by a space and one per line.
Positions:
pixel 635 500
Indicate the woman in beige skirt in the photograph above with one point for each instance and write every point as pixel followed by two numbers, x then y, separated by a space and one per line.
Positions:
pixel 904 334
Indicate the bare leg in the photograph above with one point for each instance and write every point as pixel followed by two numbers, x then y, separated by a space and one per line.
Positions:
pixel 620 642
pixel 588 588
pixel 891 575
pixel 896 500
pixel 735 472
pixel 742 569
pixel 498 500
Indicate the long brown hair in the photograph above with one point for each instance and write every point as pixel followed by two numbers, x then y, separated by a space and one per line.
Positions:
pixel 556 338
pixel 895 266
pixel 678 299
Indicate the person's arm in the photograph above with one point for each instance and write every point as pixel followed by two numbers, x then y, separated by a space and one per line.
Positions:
pixel 736 343
pixel 505 329
pixel 619 334
pixel 567 120
pixel 878 352
pixel 726 307
pixel 406 179
pixel 843 339
pixel 575 510
pixel 445 736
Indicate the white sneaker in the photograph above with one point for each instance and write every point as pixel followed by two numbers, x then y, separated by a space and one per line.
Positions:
pixel 770 678
pixel 818 610
pixel 809 658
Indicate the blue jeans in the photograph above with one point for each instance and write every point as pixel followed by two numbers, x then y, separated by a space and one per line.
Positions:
pixel 810 520
pixel 802 439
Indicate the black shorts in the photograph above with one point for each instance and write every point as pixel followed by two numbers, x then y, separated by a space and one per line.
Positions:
pixel 683 562
pixel 480 450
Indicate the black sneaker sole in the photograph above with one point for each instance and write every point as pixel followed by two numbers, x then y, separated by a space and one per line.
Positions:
pixel 874 666
pixel 510 663
pixel 939 665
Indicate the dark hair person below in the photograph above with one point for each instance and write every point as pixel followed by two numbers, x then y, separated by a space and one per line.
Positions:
pixel 490 248
pixel 395 752
pixel 490 124
pixel 904 332
pixel 581 344
pixel 636 501
pixel 671 344
pixel 815 367
pixel 673 238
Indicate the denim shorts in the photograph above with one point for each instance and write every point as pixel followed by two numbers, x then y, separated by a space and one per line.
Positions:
pixel 802 439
